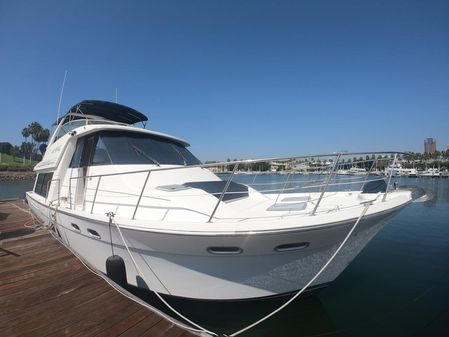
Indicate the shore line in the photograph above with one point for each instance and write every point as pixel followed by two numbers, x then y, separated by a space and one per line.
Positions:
pixel 17 176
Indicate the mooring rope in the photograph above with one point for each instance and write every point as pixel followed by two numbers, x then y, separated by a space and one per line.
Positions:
pixel 365 209
pixel 33 219
pixel 201 329
pixel 323 268
pixel 121 290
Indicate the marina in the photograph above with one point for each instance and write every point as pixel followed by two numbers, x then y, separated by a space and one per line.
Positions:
pixel 224 169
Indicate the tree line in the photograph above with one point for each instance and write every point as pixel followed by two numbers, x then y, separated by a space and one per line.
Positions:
pixel 34 136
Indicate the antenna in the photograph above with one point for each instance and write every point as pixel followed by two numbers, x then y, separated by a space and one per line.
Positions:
pixel 60 96
pixel 115 95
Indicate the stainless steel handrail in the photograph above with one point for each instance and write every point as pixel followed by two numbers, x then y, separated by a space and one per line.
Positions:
pixel 235 165
pixel 389 178
pixel 141 193
pixel 223 192
pixel 95 196
pixel 326 185
pixel 232 163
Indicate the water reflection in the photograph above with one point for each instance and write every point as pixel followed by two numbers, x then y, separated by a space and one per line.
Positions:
pixel 438 188
pixel 306 316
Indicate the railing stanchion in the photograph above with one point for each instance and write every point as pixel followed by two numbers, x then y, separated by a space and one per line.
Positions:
pixel 223 192
pixel 70 191
pixel 326 185
pixel 283 188
pixel 389 176
pixel 95 195
pixel 140 196
pixel 367 174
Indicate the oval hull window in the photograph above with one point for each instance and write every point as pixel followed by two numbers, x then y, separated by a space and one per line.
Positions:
pixel 225 250
pixel 289 247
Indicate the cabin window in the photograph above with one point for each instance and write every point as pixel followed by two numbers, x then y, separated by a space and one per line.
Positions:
pixel 43 183
pixel 69 126
pixel 120 148
pixel 84 151
pixel 76 159
pixel 101 155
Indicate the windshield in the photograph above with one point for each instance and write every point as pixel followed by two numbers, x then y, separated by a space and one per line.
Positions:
pixel 117 147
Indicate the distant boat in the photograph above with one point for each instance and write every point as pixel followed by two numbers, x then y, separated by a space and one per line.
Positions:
pixel 399 171
pixel 431 172
pixel 353 171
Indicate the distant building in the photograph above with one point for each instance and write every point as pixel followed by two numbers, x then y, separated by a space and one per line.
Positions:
pixel 430 145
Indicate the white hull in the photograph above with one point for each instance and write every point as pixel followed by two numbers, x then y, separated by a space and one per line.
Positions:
pixel 191 233
pixel 181 265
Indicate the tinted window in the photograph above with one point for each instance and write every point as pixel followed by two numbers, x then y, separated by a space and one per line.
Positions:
pixel 76 159
pixel 135 148
pixel 101 155
pixel 88 150
pixel 66 128
pixel 112 147
pixel 43 184
pixel 40 180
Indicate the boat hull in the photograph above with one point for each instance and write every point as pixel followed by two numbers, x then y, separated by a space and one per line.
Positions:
pixel 185 265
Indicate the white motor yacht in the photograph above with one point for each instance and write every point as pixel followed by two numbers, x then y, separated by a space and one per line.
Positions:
pixel 108 187
pixel 431 172
pixel 399 171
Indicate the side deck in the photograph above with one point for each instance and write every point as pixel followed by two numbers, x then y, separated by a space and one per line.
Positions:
pixel 46 291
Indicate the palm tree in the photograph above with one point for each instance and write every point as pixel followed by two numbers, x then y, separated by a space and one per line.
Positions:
pixel 26 133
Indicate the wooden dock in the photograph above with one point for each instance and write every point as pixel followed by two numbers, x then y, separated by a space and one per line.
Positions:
pixel 46 291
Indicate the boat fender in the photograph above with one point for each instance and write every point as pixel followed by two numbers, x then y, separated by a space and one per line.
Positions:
pixel 116 271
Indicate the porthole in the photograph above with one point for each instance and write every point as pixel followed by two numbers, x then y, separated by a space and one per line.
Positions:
pixel 289 247
pixel 75 227
pixel 225 250
pixel 93 233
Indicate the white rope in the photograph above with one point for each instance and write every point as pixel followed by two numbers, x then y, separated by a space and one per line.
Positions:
pixel 311 281
pixel 121 290
pixel 201 329
pixel 33 219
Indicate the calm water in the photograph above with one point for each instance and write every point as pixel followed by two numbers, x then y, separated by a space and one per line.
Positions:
pixel 397 286
pixel 15 189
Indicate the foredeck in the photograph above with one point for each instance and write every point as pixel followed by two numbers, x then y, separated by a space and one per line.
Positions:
pixel 46 291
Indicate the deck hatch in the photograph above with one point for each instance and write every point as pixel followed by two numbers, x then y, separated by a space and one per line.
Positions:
pixel 234 191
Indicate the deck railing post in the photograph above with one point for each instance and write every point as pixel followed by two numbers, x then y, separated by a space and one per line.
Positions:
pixel 283 188
pixel 389 176
pixel 141 194
pixel 223 192
pixel 70 192
pixel 95 195
pixel 326 185
pixel 367 174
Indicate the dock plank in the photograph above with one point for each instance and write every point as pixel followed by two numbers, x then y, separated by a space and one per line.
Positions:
pixel 46 291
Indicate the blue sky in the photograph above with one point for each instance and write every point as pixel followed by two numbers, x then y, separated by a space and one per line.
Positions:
pixel 237 79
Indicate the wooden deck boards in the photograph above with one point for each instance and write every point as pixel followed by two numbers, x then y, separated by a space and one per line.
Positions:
pixel 46 291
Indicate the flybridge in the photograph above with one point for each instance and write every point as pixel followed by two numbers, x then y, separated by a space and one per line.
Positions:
pixel 105 110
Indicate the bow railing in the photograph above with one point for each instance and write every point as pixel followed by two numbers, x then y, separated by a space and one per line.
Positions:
pixel 326 173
